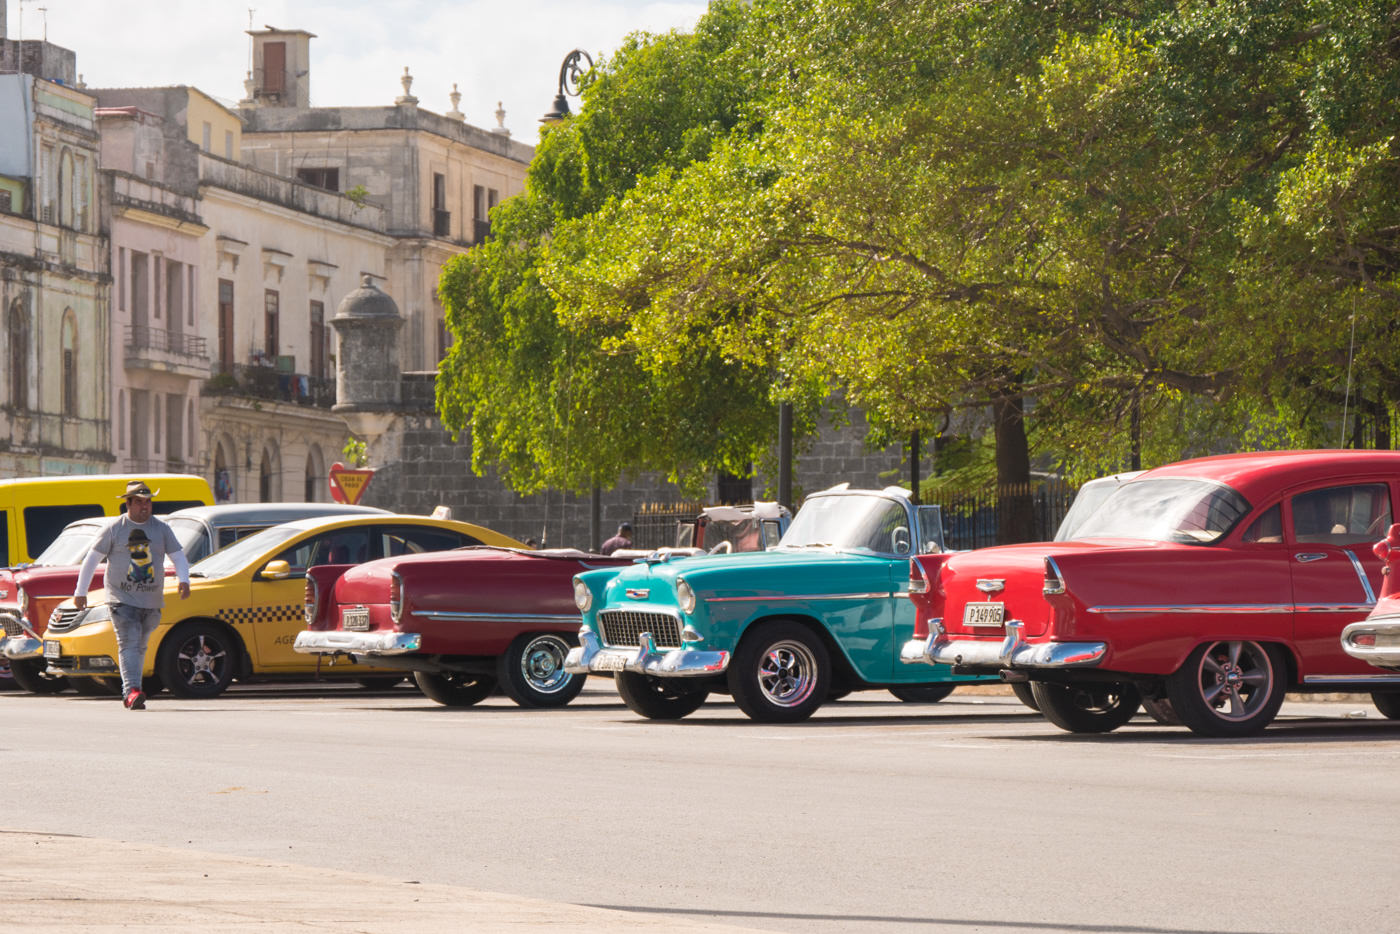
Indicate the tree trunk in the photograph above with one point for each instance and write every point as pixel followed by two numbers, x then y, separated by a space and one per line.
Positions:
pixel 1015 508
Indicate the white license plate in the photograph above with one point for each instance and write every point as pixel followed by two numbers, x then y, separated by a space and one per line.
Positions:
pixel 53 648
pixel 355 619
pixel 610 662
pixel 984 614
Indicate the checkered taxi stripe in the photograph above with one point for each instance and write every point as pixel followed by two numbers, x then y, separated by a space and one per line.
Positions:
pixel 262 614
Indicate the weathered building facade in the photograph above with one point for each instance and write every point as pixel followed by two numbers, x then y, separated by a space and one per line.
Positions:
pixel 54 280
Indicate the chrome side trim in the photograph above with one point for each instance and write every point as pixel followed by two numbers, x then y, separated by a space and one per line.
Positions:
pixel 1361 573
pixel 1352 679
pixel 1224 608
pixel 1334 608
pixel 789 598
pixel 550 618
pixel 335 641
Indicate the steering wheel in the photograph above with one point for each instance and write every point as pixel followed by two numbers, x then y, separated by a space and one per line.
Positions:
pixel 722 548
pixel 899 539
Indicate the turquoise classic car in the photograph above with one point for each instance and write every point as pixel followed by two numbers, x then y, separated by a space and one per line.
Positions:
pixel 823 613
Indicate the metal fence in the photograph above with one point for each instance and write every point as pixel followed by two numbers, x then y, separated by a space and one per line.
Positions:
pixel 970 518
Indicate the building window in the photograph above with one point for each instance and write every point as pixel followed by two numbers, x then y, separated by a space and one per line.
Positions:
pixel 483 200
pixel 70 365
pixel 228 144
pixel 270 305
pixel 320 177
pixel 274 68
pixel 19 356
pixel 225 326
pixel 318 340
pixel 207 139
pixel 155 423
pixel 121 278
pixel 121 419
pixel 442 218
pixel 5 203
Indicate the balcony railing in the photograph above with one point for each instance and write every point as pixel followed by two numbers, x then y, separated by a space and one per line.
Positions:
pixel 442 223
pixel 265 382
pixel 142 337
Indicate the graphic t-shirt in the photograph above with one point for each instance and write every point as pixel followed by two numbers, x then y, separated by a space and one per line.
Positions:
pixel 136 560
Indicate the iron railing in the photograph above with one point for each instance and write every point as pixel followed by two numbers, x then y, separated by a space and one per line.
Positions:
pixel 264 382
pixel 143 337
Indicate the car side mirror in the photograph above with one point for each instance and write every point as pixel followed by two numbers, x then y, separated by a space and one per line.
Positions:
pixel 275 571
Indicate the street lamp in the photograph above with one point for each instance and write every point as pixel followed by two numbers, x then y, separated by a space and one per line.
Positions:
pixel 571 72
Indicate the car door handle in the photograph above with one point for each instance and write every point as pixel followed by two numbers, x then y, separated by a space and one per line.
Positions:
pixel 1308 556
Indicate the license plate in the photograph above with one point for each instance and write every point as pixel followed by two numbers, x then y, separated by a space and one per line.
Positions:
pixel 610 662
pixel 355 619
pixel 984 614
pixel 53 648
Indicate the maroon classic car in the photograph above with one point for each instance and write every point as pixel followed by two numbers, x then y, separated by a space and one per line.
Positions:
pixel 1204 589
pixel 462 621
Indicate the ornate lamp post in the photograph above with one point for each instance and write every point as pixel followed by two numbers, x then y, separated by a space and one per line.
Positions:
pixel 571 72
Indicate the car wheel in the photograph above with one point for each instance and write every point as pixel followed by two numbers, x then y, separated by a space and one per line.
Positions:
pixel 97 687
pixel 780 673
pixel 922 693
pixel 657 698
pixel 379 682
pixel 455 688
pixel 1388 703
pixel 1228 688
pixel 1088 707
pixel 28 674
pixel 1024 694
pixel 7 677
pixel 197 660
pixel 531 672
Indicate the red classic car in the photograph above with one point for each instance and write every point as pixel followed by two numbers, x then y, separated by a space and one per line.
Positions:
pixel 462 621
pixel 1204 589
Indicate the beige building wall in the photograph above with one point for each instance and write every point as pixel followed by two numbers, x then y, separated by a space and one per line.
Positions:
pixel 213 127
pixel 278 258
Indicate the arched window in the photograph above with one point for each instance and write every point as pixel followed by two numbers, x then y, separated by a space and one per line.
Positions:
pixel 316 481
pixel 270 474
pixel 18 333
pixel 70 364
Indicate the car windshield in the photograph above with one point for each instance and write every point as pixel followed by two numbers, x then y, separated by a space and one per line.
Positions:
pixel 191 535
pixel 236 556
pixel 71 546
pixel 851 522
pixel 732 535
pixel 1196 512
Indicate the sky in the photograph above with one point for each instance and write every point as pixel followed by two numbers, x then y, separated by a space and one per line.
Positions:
pixel 493 50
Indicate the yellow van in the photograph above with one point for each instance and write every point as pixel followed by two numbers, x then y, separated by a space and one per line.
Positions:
pixel 33 510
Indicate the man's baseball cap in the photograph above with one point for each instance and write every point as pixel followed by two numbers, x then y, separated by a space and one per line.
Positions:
pixel 137 488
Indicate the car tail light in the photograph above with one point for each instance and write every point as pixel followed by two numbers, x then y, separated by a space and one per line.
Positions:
pixel 918 581
pixel 309 598
pixel 1366 639
pixel 1054 580
pixel 395 596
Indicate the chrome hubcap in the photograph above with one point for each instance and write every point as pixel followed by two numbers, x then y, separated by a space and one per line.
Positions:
pixel 787 674
pixel 1236 679
pixel 542 664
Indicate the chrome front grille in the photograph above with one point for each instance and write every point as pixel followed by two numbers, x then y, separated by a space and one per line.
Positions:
pixel 13 627
pixel 64 618
pixel 623 627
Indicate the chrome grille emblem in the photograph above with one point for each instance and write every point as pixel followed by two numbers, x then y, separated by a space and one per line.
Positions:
pixel 990 586
pixel 638 593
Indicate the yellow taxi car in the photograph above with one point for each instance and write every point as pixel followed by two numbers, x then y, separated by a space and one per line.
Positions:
pixel 245 604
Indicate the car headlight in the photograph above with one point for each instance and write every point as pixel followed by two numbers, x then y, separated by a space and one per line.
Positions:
pixel 685 597
pixel 583 597
pixel 23 601
pixel 98 613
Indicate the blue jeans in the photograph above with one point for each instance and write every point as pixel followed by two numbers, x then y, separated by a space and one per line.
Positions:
pixel 133 626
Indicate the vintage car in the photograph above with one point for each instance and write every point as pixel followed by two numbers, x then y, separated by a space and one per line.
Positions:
pixel 822 614
pixel 463 622
pixel 30 594
pixel 245 604
pixel 1376 639
pixel 1204 589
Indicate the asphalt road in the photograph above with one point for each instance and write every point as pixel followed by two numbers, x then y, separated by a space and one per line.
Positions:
pixel 876 816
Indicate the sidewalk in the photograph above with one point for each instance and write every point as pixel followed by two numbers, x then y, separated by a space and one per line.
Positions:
pixel 89 885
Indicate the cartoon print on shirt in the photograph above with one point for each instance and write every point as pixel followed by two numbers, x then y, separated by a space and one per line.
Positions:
pixel 139 570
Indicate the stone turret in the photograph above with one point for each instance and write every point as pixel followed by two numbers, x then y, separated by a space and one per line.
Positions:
pixel 367 383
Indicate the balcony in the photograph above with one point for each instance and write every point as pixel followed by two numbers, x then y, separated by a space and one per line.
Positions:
pixel 148 348
pixel 273 383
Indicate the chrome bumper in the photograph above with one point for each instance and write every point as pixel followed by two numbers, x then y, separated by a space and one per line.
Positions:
pixel 589 656
pixel 16 647
pixel 335 641
pixel 1383 636
pixel 1012 652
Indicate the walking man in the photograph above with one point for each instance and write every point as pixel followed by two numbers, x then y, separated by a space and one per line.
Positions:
pixel 135 545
